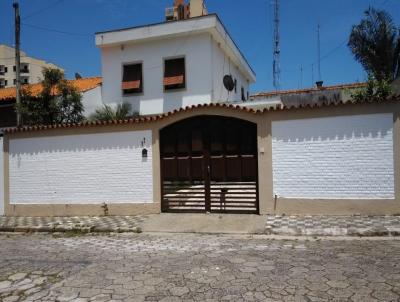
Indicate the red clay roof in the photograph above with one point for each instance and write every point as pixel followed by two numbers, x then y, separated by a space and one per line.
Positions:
pixel 308 90
pixel 177 111
pixel 81 84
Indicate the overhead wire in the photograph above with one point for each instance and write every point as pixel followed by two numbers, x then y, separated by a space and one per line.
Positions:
pixel 41 10
pixel 56 30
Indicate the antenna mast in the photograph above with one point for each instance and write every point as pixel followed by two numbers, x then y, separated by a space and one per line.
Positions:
pixel 319 52
pixel 276 51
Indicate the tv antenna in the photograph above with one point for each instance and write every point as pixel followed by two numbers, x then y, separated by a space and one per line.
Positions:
pixel 319 52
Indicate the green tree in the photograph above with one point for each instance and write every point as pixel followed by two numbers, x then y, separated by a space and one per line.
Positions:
pixel 376 91
pixel 107 113
pixel 58 102
pixel 375 43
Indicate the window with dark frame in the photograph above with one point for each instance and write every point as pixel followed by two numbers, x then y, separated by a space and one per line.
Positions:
pixel 174 74
pixel 132 78
pixel 243 96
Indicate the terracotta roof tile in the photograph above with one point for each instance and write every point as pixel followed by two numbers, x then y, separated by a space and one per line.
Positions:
pixel 82 85
pixel 152 118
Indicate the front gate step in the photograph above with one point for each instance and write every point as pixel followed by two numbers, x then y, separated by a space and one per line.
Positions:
pixel 224 197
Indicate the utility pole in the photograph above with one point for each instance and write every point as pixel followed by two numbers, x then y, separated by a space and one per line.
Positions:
pixel 17 61
pixel 277 51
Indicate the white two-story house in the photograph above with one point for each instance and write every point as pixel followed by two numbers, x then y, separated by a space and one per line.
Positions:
pixel 161 67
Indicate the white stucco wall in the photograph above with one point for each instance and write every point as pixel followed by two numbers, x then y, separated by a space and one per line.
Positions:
pixel 222 65
pixel 197 53
pixel 349 157
pixel 92 100
pixel 1 178
pixel 81 169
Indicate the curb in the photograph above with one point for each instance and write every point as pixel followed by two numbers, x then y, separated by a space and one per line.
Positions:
pixel 335 232
pixel 68 229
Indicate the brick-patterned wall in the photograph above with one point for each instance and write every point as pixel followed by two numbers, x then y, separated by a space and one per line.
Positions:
pixel 334 157
pixel 1 178
pixel 81 169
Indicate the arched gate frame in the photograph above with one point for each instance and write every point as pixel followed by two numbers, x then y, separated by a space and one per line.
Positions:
pixel 209 164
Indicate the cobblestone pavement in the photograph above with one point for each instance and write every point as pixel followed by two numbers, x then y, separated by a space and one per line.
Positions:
pixel 81 223
pixel 193 267
pixel 333 225
pixel 274 224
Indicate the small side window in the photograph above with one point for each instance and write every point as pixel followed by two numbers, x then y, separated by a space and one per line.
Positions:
pixel 243 96
pixel 235 85
pixel 174 74
pixel 132 79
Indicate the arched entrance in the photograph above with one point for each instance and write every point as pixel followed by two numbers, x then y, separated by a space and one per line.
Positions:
pixel 209 164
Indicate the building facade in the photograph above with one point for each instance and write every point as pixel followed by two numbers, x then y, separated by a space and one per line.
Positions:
pixel 171 65
pixel 31 68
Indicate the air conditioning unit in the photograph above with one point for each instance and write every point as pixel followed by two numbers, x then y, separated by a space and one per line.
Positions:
pixel 169 13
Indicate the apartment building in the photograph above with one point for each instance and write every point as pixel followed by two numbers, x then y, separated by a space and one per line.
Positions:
pixel 31 68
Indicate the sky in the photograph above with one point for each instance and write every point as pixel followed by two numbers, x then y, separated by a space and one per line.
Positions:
pixel 62 32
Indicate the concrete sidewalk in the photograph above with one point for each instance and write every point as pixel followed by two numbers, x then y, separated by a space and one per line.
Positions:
pixel 205 223
pixel 212 223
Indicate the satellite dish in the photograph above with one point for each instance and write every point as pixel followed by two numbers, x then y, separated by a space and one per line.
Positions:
pixel 228 82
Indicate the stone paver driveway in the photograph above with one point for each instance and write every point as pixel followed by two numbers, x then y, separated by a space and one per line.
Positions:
pixel 192 267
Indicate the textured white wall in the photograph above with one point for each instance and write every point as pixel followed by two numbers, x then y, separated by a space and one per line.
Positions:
pixel 1 178
pixel 79 169
pixel 335 157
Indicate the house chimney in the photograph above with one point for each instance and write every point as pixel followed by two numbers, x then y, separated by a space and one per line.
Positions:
pixel 319 84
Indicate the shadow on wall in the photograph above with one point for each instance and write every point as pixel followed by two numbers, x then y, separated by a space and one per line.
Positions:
pixel 333 128
pixel 79 143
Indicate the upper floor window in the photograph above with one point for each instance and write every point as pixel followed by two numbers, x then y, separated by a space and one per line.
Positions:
pixel 242 93
pixel 24 69
pixel 174 74
pixel 132 78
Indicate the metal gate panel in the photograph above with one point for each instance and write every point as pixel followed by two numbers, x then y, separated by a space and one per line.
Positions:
pixel 209 163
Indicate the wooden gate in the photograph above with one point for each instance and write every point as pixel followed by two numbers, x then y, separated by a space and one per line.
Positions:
pixel 209 164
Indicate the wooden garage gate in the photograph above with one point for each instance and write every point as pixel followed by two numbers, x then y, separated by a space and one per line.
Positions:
pixel 209 164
